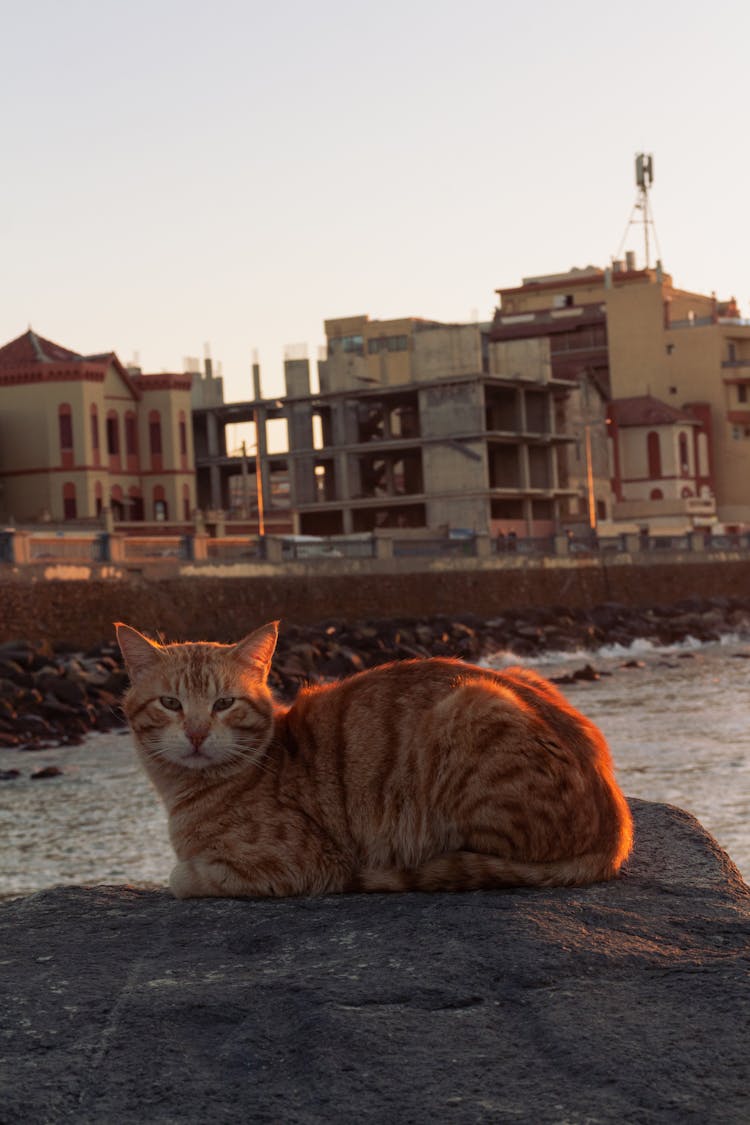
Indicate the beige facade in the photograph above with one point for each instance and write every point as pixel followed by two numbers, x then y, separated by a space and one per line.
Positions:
pixel 645 337
pixel 79 434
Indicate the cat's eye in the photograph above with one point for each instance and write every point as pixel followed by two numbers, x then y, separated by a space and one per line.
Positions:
pixel 224 703
pixel 170 702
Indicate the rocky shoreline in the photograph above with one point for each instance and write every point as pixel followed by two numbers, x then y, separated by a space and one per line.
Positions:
pixel 52 696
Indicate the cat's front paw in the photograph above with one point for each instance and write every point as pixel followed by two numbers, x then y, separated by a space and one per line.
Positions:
pixel 196 878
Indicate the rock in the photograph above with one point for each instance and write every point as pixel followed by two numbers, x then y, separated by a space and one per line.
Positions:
pixel 625 1001
pixel 46 771
pixel 9 775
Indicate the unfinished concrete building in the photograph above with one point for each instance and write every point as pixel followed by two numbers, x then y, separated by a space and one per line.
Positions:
pixel 422 424
pixel 415 424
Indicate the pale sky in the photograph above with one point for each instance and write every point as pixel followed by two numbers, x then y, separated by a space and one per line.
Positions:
pixel 178 172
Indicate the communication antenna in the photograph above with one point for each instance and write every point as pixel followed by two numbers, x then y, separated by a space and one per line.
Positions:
pixel 644 177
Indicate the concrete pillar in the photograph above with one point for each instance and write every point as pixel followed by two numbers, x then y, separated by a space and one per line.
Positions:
pixel 383 547
pixel 483 544
pixel 273 548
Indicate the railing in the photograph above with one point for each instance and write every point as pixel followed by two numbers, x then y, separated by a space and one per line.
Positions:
pixel 19 549
pixel 234 550
pixel 333 548
pixel 63 548
pixel 525 545
pixel 464 547
pixel 154 547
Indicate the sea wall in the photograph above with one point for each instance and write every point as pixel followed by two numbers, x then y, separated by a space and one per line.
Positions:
pixel 623 1001
pixel 221 603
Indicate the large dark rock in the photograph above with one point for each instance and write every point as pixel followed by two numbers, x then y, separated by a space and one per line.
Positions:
pixel 621 1002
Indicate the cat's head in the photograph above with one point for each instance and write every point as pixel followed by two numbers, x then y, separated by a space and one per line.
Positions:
pixel 199 706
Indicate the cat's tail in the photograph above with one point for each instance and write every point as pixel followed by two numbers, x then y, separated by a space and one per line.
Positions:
pixel 475 871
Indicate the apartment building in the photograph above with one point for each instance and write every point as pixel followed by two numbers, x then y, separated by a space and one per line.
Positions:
pixel 638 337
pixel 81 433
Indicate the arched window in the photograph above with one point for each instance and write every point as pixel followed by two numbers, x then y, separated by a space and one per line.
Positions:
pixel 98 494
pixel 183 440
pixel 70 507
pixel 131 442
pixel 186 501
pixel 113 441
pixel 116 503
pixel 654 455
pixel 154 440
pixel 684 458
pixel 95 435
pixel 656 494
pixel 686 493
pixel 161 511
pixel 65 425
pixel 135 504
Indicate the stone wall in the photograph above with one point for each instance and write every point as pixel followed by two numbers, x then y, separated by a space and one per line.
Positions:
pixel 222 608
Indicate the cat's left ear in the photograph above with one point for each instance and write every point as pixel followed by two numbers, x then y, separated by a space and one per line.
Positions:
pixel 258 648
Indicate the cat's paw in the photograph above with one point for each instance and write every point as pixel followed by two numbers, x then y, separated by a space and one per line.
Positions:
pixel 196 878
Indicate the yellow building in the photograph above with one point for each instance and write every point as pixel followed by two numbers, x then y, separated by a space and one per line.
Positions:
pixel 637 335
pixel 81 433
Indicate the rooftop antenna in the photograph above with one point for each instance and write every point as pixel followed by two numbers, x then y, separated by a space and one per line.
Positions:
pixel 644 177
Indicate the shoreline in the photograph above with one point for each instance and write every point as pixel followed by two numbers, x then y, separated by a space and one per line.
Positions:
pixel 51 695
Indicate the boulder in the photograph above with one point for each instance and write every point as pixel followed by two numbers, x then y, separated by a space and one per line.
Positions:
pixel 624 1001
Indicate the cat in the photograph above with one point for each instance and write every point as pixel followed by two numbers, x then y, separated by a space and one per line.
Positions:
pixel 421 775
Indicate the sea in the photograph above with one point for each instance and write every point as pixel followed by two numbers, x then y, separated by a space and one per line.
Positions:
pixel 676 719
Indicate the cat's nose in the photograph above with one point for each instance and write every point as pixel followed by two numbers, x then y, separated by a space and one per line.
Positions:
pixel 197 736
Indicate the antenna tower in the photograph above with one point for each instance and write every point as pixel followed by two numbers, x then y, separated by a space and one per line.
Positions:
pixel 644 177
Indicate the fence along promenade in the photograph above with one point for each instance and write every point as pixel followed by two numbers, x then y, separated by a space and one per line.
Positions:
pixel 21 549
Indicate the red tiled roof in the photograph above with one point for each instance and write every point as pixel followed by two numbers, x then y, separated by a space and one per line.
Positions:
pixel 30 348
pixel 644 410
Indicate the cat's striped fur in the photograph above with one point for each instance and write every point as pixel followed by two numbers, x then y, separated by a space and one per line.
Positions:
pixel 428 775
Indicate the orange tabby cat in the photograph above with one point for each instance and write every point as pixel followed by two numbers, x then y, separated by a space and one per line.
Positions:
pixel 429 775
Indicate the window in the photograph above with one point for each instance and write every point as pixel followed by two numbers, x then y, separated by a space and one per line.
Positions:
pixel 160 504
pixel 135 503
pixel 113 436
pixel 388 344
pixel 65 421
pixel 354 344
pixel 656 494
pixel 131 435
pixel 183 436
pixel 98 493
pixel 684 460
pixel 154 432
pixel 186 501
pixel 742 392
pixel 654 455
pixel 70 508
pixel 94 421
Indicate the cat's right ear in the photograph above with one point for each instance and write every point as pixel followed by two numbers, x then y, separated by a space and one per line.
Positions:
pixel 139 653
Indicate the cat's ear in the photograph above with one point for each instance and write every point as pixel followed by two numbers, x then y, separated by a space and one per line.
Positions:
pixel 141 655
pixel 258 648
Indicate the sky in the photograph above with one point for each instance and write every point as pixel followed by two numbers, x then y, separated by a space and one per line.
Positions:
pixel 176 173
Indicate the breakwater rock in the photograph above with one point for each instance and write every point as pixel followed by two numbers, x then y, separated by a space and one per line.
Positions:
pixel 624 1001
pixel 50 695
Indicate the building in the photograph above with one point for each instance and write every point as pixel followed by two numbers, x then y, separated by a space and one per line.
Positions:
pixel 81 433
pixel 416 424
pixel 420 424
pixel 638 336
